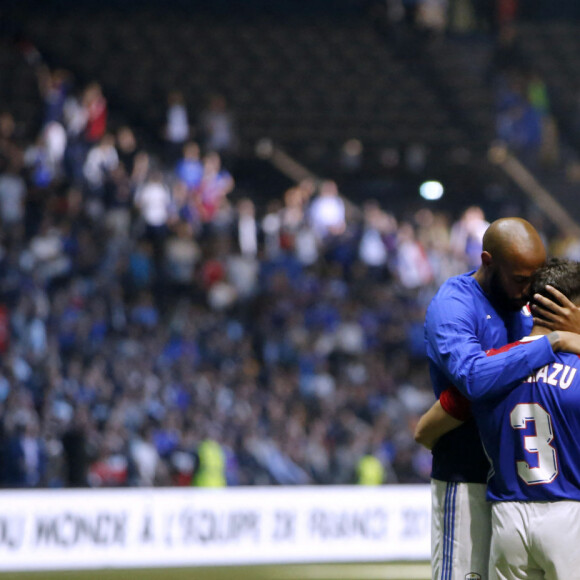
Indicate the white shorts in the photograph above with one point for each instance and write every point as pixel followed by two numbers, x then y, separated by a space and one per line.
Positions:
pixel 460 531
pixel 535 540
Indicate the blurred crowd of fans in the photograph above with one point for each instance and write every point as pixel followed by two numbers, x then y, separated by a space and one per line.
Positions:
pixel 146 308
pixel 525 122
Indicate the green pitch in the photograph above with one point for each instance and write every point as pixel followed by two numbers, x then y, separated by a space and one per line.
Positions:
pixel 374 571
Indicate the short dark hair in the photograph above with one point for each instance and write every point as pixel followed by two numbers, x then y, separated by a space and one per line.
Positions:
pixel 562 274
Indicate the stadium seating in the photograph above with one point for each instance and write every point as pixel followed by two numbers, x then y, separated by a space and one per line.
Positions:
pixel 310 84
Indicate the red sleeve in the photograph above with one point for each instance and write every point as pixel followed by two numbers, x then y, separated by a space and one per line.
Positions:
pixel 454 403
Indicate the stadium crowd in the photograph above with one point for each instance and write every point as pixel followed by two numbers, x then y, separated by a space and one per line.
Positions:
pixel 146 308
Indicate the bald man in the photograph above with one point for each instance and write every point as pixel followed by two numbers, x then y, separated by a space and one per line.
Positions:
pixel 470 314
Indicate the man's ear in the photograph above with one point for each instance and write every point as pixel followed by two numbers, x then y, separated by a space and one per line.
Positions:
pixel 486 258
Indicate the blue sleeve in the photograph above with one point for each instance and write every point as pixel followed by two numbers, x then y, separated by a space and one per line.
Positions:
pixel 454 347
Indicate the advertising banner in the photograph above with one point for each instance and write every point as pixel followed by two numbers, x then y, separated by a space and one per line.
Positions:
pixel 59 529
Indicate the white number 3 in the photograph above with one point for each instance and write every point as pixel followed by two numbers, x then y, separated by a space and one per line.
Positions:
pixel 547 461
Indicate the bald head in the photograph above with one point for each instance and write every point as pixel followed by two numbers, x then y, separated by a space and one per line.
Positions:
pixel 510 239
pixel 512 252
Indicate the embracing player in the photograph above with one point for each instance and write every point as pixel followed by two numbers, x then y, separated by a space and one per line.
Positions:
pixel 470 314
pixel 530 435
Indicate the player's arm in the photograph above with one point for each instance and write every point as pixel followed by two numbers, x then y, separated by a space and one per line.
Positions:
pixel 450 411
pixel 433 424
pixel 453 345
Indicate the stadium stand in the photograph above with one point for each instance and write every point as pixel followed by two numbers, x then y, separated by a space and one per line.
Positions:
pixel 145 309
pixel 308 84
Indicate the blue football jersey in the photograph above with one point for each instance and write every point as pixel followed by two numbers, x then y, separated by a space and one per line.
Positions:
pixel 460 325
pixel 531 435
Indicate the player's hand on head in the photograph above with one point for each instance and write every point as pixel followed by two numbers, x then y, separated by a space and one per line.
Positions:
pixel 556 314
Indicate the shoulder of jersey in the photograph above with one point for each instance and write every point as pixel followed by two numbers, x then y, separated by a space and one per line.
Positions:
pixel 457 282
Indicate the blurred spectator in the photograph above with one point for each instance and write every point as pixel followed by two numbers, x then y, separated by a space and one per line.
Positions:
pixel 154 203
pixel 215 185
pixel 539 99
pixel 432 16
pixel 55 139
pixel 520 126
pixel 75 448
pixel 370 470
pixel 101 161
pixel 210 465
pixel 95 104
pixel 145 459
pixel 54 86
pixel 156 212
pixel 271 226
pixel 38 161
pixel 507 11
pixel 75 117
pixel 373 246
pixel 518 122
pixel 10 152
pixel 467 236
pixel 217 128
pixel 246 228
pixel 25 455
pixel 292 215
pixel 182 254
pixel 189 168
pixel 413 267
pixel 12 197
pixel 327 211
pixel 351 156
pixel 108 470
pixel 537 93
pixel 127 149
pixel 177 129
pixel 47 252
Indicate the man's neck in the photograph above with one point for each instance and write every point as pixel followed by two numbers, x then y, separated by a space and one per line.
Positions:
pixel 538 330
pixel 480 278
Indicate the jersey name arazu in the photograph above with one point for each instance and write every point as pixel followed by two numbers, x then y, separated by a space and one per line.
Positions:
pixel 555 374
